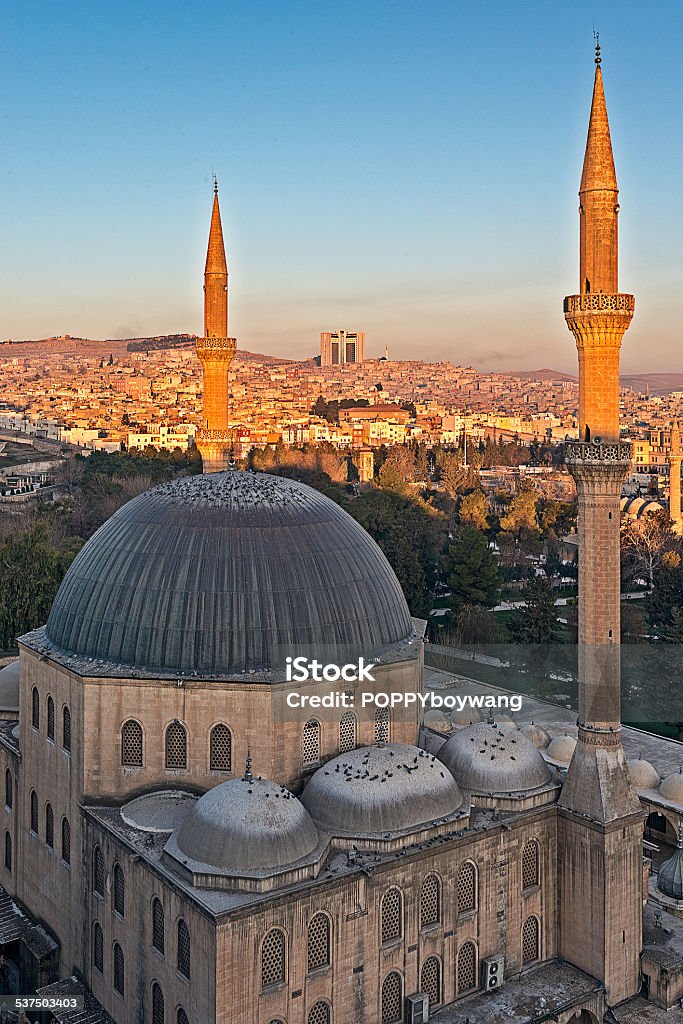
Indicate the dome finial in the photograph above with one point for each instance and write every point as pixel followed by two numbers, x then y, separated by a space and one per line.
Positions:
pixel 247 771
pixel 596 37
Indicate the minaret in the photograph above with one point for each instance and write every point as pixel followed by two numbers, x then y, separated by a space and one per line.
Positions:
pixel 215 351
pixel 600 825
pixel 675 458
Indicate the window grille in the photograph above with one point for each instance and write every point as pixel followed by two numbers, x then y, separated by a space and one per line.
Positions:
pixel 9 789
pixel 220 747
pixel 382 725
pixel 347 732
pixel 181 1016
pixel 183 949
pixel 273 958
pixel 392 1010
pixel 276 1021
pixel 430 980
pixel 35 709
pixel 49 827
pixel 131 744
pixel 8 851
pixel 98 871
pixel 467 967
pixel 466 886
pixel 97 948
pixel 430 901
pixel 320 1014
pixel 318 942
pixel 119 890
pixel 158 1015
pixel 530 942
pixel 34 812
pixel 119 970
pixel 530 864
pixel 50 719
pixel 66 841
pixel 392 913
pixel 311 743
pixel 66 729
pixel 176 746
pixel 158 925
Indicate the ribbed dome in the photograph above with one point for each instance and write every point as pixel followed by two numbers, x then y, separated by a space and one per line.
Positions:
pixel 485 759
pixel 643 774
pixel 672 787
pixel 245 825
pixel 224 574
pixel 374 790
pixel 670 875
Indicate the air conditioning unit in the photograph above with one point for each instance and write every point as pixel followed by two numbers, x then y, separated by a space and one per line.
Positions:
pixel 417 1008
pixel 492 972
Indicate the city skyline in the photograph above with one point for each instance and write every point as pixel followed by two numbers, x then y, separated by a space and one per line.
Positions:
pixel 329 217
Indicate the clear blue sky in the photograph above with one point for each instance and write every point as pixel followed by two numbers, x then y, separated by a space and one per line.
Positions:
pixel 407 169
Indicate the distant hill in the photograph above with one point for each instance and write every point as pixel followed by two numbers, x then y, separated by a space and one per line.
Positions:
pixel 116 346
pixel 658 383
pixel 544 374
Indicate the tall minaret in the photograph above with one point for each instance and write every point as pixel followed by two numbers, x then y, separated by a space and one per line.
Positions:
pixel 600 825
pixel 675 458
pixel 215 350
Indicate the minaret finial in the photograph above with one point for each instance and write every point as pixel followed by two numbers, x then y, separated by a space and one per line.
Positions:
pixel 215 185
pixel 596 37
pixel 247 771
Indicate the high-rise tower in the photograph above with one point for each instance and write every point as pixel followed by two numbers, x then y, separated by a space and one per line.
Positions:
pixel 215 351
pixel 600 817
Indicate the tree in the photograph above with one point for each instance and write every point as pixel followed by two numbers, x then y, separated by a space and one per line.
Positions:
pixel 536 621
pixel 665 601
pixel 476 625
pixel 398 469
pixel 474 510
pixel 520 518
pixel 644 543
pixel 472 571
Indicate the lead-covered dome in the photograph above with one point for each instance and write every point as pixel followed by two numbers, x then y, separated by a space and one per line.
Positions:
pixel 485 759
pixel 227 573
pixel 392 788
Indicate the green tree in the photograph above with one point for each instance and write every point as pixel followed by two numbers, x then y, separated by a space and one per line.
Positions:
pixel 472 571
pixel 520 518
pixel 536 621
pixel 474 510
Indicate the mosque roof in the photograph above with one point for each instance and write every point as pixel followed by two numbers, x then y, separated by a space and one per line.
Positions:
pixel 484 758
pixel 226 574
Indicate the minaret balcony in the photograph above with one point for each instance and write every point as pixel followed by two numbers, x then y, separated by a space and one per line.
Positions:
pixel 600 302
pixel 210 345
pixel 592 453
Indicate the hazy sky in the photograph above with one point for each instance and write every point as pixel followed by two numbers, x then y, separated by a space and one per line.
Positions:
pixel 406 169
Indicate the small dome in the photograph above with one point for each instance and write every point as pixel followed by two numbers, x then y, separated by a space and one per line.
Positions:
pixel 438 720
pixel 485 759
pixel 670 874
pixel 468 716
pixel 672 787
pixel 246 824
pixel 374 790
pixel 9 686
pixel 506 723
pixel 562 748
pixel 536 734
pixel 643 774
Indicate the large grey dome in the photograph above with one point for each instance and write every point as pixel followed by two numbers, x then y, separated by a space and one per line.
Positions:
pixel 228 573
pixel 670 874
pixel 484 759
pixel 245 824
pixel 373 790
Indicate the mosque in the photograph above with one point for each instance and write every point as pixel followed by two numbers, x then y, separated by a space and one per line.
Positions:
pixel 182 846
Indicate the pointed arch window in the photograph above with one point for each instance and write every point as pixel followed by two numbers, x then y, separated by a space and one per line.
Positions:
pixel 35 708
pixel 530 940
pixel 119 970
pixel 97 947
pixel 311 743
pixel 66 729
pixel 318 942
pixel 382 725
pixel 430 901
pixel 9 789
pixel 158 925
pixel 392 1001
pixel 530 864
pixel 8 851
pixel 181 1016
pixel 98 871
pixel 320 1013
pixel 50 719
pixel 34 812
pixel 176 745
pixel 466 886
pixel 49 827
pixel 220 749
pixel 392 915
pixel 131 744
pixel 347 732
pixel 158 1009
pixel 273 962
pixel 66 841
pixel 119 891
pixel 467 968
pixel 430 980
pixel 183 962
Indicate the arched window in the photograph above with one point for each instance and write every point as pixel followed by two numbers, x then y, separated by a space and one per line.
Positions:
pixel 158 1015
pixel 466 886
pixel 49 827
pixel 467 968
pixel 97 948
pixel 320 1013
pixel 176 746
pixel 66 841
pixel 430 901
pixel 50 719
pixel 8 851
pixel 220 749
pixel 273 964
pixel 98 871
pixel 530 864
pixel 311 743
pixel 382 725
pixel 131 744
pixel 430 980
pixel 530 940
pixel 34 812
pixel 35 708
pixel 119 891
pixel 66 729
pixel 181 1016
pixel 119 970
pixel 157 925
pixel 183 949
pixel 318 942
pixel 9 789
pixel 347 732
pixel 392 1002
pixel 392 915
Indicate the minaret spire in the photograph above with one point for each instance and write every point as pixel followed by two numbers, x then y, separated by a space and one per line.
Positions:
pixel 216 276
